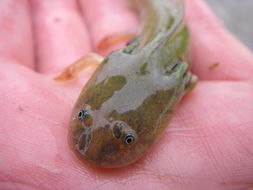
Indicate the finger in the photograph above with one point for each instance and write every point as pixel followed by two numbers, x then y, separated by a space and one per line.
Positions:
pixel 217 55
pixel 107 17
pixel 61 37
pixel 16 33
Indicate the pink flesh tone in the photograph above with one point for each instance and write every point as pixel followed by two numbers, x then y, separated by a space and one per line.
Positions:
pixel 16 48
pixel 111 17
pixel 235 60
pixel 208 144
pixel 60 34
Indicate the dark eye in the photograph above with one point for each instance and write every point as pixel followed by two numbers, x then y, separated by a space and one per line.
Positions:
pixel 129 139
pixel 83 114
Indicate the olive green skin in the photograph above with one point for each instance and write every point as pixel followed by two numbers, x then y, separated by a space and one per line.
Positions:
pixel 136 91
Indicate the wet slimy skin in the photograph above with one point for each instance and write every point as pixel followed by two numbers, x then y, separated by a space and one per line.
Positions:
pixel 131 97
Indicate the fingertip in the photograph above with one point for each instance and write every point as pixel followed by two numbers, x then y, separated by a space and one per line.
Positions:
pixel 16 33
pixel 107 17
pixel 60 34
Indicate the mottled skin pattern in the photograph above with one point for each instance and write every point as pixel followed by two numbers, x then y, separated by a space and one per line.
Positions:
pixel 130 99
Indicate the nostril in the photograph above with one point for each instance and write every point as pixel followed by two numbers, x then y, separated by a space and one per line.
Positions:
pixel 83 114
pixel 117 129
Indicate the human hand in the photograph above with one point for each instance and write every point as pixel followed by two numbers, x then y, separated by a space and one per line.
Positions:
pixel 207 145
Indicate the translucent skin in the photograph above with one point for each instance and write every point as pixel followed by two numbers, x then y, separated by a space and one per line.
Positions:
pixel 132 94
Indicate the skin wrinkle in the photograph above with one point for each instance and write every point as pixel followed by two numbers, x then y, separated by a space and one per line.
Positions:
pixel 249 123
pixel 27 151
pixel 135 178
pixel 179 180
pixel 209 151
pixel 100 183
pixel 99 186
pixel 213 159
pixel 39 182
pixel 187 136
pixel 238 185
pixel 157 172
pixel 238 139
pixel 175 128
pixel 245 178
pixel 104 182
pixel 32 178
pixel 222 162
pixel 232 130
pixel 193 150
pixel 16 185
pixel 45 183
pixel 151 160
pixel 169 178
pixel 176 176
pixel 5 178
pixel 230 108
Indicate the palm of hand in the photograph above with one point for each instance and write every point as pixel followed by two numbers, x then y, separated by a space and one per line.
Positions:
pixel 208 143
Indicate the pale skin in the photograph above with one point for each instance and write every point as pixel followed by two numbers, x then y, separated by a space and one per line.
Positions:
pixel 208 144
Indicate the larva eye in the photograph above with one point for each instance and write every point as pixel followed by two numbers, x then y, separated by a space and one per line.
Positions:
pixel 83 114
pixel 129 139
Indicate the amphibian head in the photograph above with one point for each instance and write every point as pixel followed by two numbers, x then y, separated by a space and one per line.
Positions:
pixel 103 142
pixel 118 116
